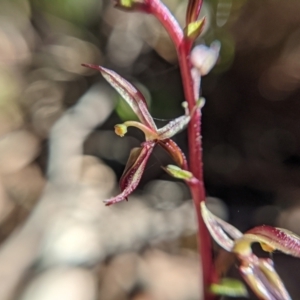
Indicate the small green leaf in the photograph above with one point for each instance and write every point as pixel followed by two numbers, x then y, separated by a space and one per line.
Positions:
pixel 194 29
pixel 178 173
pixel 229 287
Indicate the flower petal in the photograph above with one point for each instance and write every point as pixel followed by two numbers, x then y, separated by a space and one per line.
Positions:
pixel 179 123
pixel 131 95
pixel 255 283
pixel 222 232
pixel 133 172
pixel 267 267
pixel 175 152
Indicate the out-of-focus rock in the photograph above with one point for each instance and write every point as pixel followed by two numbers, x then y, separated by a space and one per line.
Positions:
pixel 17 150
pixel 62 284
pixel 6 206
pixel 120 277
pixel 72 241
pixel 168 277
pixel 97 175
pixel 68 51
pixel 85 231
pixel 25 186
pixel 167 194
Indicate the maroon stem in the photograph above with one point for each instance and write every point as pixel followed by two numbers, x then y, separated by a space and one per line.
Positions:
pixel 196 167
pixel 194 134
pixel 162 13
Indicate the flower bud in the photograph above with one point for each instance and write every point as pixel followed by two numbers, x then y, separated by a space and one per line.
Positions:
pixel 204 58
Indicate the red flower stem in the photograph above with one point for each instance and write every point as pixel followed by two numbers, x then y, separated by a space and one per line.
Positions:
pixel 196 167
pixel 159 10
pixel 162 13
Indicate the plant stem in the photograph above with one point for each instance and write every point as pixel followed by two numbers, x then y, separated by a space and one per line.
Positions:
pixel 196 167
pixel 162 13
pixel 182 45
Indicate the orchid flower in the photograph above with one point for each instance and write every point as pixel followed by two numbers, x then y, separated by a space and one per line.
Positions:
pixel 259 273
pixel 139 156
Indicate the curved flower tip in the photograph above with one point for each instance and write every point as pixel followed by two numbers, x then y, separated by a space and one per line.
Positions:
pixel 133 172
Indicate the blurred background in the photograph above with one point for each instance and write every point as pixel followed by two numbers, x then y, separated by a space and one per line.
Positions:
pixel 146 248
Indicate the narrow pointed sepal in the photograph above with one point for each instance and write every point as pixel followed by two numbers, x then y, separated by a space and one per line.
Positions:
pixel 222 232
pixel 133 172
pixel 175 152
pixel 131 95
pixel 173 127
